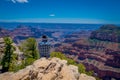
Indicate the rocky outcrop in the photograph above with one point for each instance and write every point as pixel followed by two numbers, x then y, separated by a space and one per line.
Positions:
pixel 2 46
pixel 47 69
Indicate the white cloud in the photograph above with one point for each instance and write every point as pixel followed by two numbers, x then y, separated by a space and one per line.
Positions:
pixel 13 1
pixel 20 1
pixel 52 15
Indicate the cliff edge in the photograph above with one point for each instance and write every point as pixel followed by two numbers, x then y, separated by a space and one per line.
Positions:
pixel 47 69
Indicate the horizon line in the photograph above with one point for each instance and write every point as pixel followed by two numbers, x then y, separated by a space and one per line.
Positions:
pixel 61 20
pixel 60 23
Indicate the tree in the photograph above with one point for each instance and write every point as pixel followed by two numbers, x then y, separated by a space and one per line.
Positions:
pixel 30 49
pixel 7 59
pixel 13 64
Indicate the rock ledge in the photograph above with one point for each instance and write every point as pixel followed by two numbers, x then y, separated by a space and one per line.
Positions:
pixel 47 69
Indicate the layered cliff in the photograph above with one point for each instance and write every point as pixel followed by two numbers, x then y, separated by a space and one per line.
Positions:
pixel 100 56
pixel 47 69
pixel 107 33
pixel 3 32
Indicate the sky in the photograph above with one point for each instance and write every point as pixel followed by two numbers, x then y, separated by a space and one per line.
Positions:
pixel 60 11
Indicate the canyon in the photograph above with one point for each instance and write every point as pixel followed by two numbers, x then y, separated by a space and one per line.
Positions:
pixel 98 50
pixel 98 53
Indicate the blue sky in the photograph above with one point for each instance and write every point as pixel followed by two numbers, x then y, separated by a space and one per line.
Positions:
pixel 60 11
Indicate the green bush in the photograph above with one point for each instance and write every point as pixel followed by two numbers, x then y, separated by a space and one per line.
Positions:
pixel 90 73
pixel 29 61
pixel 81 68
pixel 58 55
pixel 70 61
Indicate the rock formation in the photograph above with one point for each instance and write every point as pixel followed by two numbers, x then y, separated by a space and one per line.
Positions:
pixel 2 46
pixel 47 69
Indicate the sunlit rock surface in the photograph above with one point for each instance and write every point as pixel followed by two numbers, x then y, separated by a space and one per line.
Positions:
pixel 47 69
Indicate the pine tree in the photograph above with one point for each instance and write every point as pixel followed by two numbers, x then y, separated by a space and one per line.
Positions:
pixel 7 59
pixel 30 49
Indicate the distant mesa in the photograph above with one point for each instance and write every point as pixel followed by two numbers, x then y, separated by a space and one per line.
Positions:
pixel 107 33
